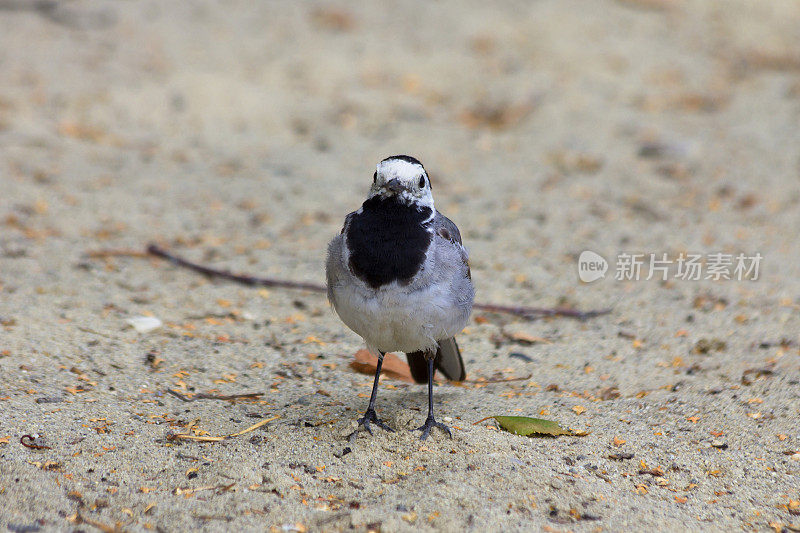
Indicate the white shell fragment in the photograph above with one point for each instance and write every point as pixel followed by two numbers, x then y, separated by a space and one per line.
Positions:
pixel 144 324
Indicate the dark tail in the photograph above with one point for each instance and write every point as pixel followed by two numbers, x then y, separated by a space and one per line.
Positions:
pixel 448 361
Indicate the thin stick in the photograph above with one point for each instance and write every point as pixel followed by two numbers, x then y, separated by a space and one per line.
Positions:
pixel 503 380
pixel 536 312
pixel 201 438
pixel 29 442
pixel 520 311
pixel 227 274
pixel 179 396
pixel 190 490
pixel 105 528
pixel 209 438
pixel 229 397
pixel 206 396
pixel 100 254
pixel 253 427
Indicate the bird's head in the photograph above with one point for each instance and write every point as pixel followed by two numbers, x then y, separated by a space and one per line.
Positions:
pixel 404 178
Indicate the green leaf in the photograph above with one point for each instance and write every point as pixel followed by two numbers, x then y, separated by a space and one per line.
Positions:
pixel 527 426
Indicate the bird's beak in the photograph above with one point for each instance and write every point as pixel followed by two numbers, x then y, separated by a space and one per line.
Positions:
pixel 393 185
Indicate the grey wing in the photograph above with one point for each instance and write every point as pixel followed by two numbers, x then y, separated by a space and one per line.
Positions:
pixel 448 230
pixel 448 356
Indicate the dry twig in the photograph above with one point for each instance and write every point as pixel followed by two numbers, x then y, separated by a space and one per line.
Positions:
pixel 206 396
pixel 500 380
pixel 102 254
pixel 209 438
pixel 29 441
pixel 520 311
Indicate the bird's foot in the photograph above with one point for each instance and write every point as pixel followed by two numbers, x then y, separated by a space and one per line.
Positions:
pixel 429 423
pixel 370 417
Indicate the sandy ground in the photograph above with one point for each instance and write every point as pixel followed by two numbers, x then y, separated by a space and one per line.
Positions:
pixel 241 135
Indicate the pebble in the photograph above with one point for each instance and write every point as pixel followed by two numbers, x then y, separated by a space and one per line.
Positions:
pixel 144 324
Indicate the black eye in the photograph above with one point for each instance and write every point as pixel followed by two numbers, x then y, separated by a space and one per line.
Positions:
pixel 375 177
pixel 422 182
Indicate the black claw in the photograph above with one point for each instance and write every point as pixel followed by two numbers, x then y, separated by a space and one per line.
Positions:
pixel 429 423
pixel 370 417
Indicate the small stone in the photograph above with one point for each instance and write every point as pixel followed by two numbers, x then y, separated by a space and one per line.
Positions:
pixel 719 444
pixel 49 399
pixel 704 346
pixel 144 324
pixel 621 456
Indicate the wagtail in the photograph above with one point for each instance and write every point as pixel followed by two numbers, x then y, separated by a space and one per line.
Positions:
pixel 398 275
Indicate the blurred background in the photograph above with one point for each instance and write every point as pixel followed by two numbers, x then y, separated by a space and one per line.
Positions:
pixel 249 131
pixel 678 117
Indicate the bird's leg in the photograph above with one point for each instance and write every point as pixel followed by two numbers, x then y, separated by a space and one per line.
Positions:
pixel 370 416
pixel 430 421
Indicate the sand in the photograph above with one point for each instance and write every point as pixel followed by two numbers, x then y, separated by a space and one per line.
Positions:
pixel 240 136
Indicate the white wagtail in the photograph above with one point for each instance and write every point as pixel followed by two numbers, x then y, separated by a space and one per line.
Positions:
pixel 399 277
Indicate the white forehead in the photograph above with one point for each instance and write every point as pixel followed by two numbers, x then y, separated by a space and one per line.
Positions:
pixel 400 169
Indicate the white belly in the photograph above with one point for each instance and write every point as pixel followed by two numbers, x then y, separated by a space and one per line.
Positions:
pixel 390 319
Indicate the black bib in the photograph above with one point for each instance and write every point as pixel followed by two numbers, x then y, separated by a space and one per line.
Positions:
pixel 387 241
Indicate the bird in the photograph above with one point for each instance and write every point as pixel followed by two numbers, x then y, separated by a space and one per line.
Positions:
pixel 398 275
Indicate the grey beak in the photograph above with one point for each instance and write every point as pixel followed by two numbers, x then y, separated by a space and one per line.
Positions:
pixel 394 185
